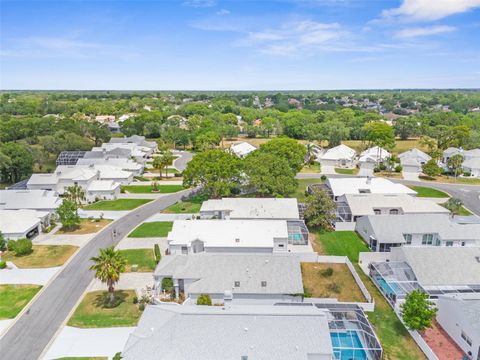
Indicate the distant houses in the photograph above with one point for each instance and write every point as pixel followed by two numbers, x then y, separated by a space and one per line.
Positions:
pixel 242 149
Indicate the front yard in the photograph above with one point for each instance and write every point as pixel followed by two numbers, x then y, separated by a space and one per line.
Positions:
pixel 87 226
pixel 43 256
pixel 143 258
pixel 117 205
pixel 148 189
pixel 342 171
pixel 428 192
pixel 190 206
pixel 13 299
pixel 152 229
pixel 330 281
pixel 92 313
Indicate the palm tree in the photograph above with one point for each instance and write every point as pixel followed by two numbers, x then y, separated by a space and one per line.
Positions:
pixel 167 159
pixel 108 266
pixel 454 205
pixel 75 194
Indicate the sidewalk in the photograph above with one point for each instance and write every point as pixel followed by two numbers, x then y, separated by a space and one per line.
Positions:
pixel 27 276
pixel 75 240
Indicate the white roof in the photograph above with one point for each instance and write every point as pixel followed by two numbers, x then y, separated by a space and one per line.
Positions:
pixel 472 153
pixel 452 150
pixel 123 163
pixel 338 152
pixel 42 179
pixel 473 163
pixel 216 273
pixel 224 233
pixel 359 185
pixel 374 153
pixel 214 332
pixel 254 208
pixel 242 149
pixel 103 185
pixel 19 221
pixel 29 199
pixel 468 304
pixel 415 154
pixel 364 204
pixel 441 265
pixel 107 171
pixel 75 173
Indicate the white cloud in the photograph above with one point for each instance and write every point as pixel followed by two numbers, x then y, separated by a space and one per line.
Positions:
pixel 200 3
pixel 294 37
pixel 223 12
pixel 424 31
pixel 428 10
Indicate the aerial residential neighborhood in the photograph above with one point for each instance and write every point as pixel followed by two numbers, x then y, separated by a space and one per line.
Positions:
pixel 239 180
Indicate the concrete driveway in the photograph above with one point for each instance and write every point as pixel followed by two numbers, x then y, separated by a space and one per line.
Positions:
pixel 30 334
pixel 410 175
pixel 75 342
pixel 142 243
pixel 27 276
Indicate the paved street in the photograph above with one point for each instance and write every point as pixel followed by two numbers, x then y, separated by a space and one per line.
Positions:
pixel 181 163
pixel 29 336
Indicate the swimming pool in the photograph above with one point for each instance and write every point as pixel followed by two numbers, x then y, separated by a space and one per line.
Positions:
pixel 347 346
pixel 295 237
pixel 388 288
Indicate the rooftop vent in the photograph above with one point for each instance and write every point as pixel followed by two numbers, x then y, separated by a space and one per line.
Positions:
pixel 237 240
pixel 237 283
pixel 264 284
pixel 477 258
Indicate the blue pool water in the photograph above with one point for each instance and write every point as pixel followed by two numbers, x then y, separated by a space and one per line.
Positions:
pixel 347 346
pixel 388 288
pixel 296 237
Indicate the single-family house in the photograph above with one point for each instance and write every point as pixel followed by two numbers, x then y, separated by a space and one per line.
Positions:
pixel 19 224
pixel 471 154
pixel 339 156
pixel 228 236
pixel 459 315
pixel 413 159
pixel 110 172
pixel 449 152
pixel 350 207
pixel 251 209
pixel 63 177
pixel 374 154
pixel 102 190
pixel 252 278
pixel 436 270
pixel 125 164
pixel 383 232
pixel 41 200
pixel 242 149
pixel 472 166
pixel 364 185
pixel 240 332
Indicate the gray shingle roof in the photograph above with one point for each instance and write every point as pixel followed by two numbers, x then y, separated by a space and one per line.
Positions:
pixel 218 272
pixel 211 333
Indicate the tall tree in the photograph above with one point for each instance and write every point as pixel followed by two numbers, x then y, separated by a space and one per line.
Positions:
pixel 269 175
pixel 417 311
pixel 288 149
pixel 67 212
pixel 454 163
pixel 108 266
pixel 380 134
pixel 217 171
pixel 319 209
pixel 16 161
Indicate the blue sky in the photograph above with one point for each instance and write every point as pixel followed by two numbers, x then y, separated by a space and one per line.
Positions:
pixel 239 44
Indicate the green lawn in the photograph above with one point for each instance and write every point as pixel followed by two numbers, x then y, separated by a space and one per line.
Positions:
pixel 396 341
pixel 147 189
pixel 144 258
pixel 191 206
pixel 13 299
pixel 346 171
pixel 462 212
pixel 42 256
pixel 116 205
pixel 302 186
pixel 342 243
pixel 92 313
pixel 152 229
pixel 311 168
pixel 423 191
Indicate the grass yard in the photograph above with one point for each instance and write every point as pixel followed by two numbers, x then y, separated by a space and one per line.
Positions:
pixel 342 243
pixel 148 189
pixel 43 256
pixel 117 205
pixel 396 341
pixel 87 226
pixel 92 313
pixel 347 171
pixel 144 258
pixel 152 229
pixel 311 168
pixel 423 191
pixel 191 206
pixel 302 186
pixel 451 180
pixel 339 284
pixel 462 211
pixel 13 299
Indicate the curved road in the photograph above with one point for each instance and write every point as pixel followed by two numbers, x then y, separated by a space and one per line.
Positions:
pixel 31 333
pixel 181 162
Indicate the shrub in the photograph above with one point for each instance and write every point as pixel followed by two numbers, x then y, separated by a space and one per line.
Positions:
pixel 11 245
pixel 467 173
pixel 204 299
pixel 167 284
pixel 376 169
pixel 22 247
pixel 398 168
pixel 3 264
pixel 135 299
pixel 334 287
pixel 3 243
pixel 327 272
pixel 382 167
pixel 117 356
pixel 323 178
pixel 157 253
